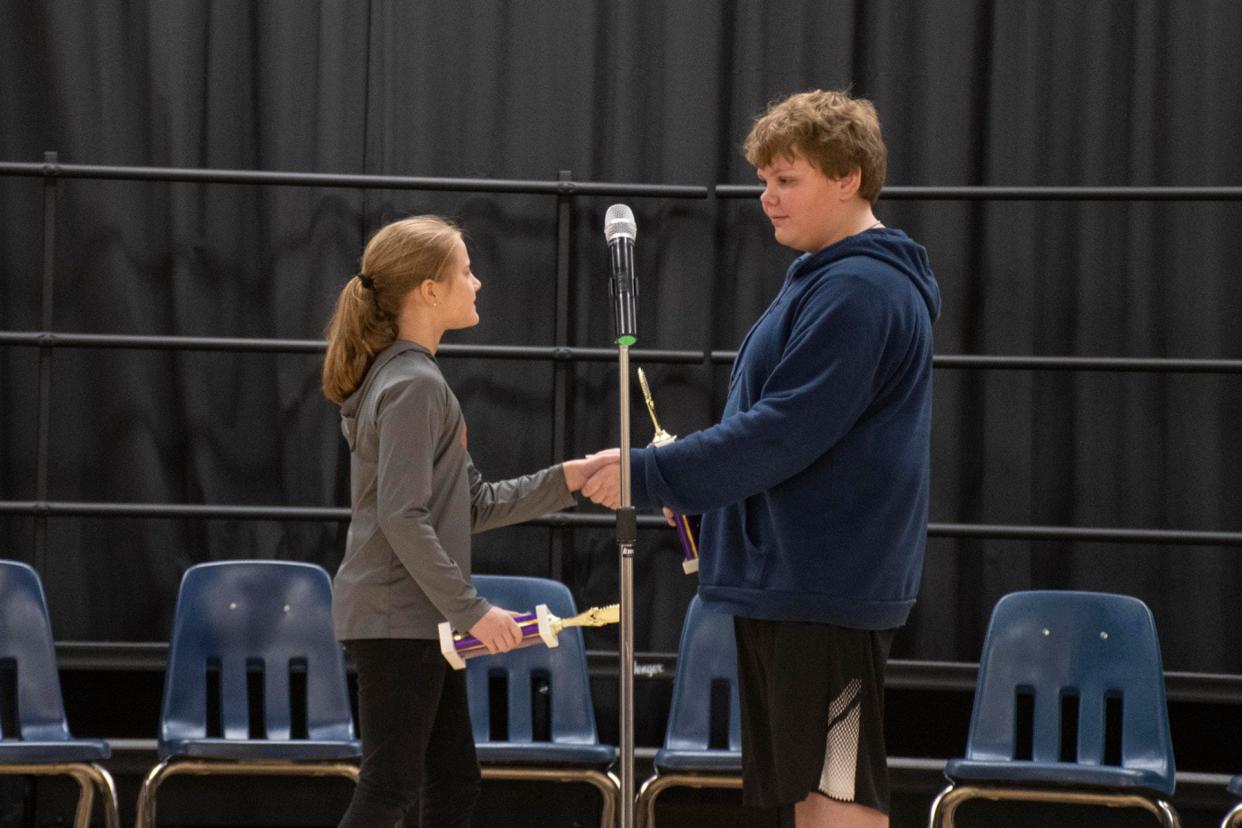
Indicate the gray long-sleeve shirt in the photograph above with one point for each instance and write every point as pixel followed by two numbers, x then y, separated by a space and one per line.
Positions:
pixel 415 499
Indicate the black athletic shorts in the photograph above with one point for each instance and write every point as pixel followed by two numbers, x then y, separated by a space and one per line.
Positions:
pixel 812 699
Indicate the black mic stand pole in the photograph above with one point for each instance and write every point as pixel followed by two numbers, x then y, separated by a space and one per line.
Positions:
pixel 620 231
pixel 627 536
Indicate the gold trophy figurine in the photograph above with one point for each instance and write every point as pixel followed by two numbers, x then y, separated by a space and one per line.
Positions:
pixel 687 527
pixel 661 436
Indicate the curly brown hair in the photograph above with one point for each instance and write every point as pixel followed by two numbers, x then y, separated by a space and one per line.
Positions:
pixel 832 130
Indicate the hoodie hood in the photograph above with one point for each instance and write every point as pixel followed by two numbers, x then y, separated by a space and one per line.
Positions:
pixel 353 403
pixel 888 245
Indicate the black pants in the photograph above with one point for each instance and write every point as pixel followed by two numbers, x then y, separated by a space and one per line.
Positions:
pixel 419 767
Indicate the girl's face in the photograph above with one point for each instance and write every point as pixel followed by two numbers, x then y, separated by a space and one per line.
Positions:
pixel 458 288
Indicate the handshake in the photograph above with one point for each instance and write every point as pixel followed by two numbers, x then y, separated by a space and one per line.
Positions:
pixel 597 476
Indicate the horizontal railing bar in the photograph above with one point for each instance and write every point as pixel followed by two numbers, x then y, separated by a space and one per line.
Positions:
pixel 909 193
pixel 1070 363
pixel 316 346
pixel 600 520
pixel 146 656
pixel 1083 534
pixel 557 187
pixel 47 339
pixel 906 674
pixel 1184 686
pixel 951 676
pixel 44 339
pixel 384 182
pixel 65 508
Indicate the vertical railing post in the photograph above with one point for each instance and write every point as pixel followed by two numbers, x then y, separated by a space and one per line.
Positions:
pixel 44 406
pixel 560 367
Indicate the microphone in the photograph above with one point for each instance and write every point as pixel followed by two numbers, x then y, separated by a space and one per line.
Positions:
pixel 620 230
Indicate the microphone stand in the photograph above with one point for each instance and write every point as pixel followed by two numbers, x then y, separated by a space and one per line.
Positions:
pixel 620 231
pixel 627 536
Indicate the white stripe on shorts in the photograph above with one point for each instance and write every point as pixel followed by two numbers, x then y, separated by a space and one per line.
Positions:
pixel 836 780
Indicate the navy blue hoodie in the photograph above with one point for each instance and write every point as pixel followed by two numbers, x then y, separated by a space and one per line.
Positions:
pixel 814 485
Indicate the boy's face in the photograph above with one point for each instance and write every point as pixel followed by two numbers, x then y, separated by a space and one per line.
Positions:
pixel 808 210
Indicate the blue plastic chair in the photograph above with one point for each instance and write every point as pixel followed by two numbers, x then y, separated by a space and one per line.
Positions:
pixel 39 743
pixel 572 752
pixel 1093 657
pixel 256 636
pixel 706 655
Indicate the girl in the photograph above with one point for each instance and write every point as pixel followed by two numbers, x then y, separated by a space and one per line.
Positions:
pixel 415 499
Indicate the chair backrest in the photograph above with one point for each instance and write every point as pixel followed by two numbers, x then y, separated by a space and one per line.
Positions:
pixel 1086 664
pixel 30 698
pixel 537 680
pixel 252 655
pixel 706 671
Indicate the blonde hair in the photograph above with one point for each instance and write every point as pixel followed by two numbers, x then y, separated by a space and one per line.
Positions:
pixel 830 129
pixel 398 258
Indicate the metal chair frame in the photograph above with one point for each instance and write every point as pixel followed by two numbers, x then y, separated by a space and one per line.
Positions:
pixel 1012 631
pixel 660 782
pixel 28 599
pixel 1233 819
pixel 316 594
pixel 90 777
pixel 606 782
pixel 496 588
pixel 690 651
pixel 176 766
pixel 946 803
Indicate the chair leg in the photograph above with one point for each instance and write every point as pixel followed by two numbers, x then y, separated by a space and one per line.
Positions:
pixel 90 777
pixel 653 787
pixel 107 789
pixel 86 796
pixel 939 817
pixel 146 795
pixel 605 782
pixel 945 805
pixel 612 801
pixel 609 787
pixel 644 810
pixel 1167 814
pixel 224 767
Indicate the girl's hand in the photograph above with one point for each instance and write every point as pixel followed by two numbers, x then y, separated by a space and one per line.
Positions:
pixel 497 631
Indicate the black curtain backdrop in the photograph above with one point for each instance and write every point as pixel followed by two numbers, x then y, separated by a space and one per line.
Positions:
pixel 970 92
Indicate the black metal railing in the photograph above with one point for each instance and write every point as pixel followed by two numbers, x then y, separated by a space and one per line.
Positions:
pixel 568 520
pixel 562 355
pixel 562 186
pixel 994 362
pixel 1027 193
